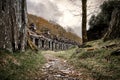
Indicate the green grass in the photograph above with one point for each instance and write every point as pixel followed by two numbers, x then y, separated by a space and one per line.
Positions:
pixel 65 54
pixel 100 63
pixel 20 66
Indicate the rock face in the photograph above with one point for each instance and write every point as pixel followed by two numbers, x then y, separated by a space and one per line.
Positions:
pixel 13 23
pixel 114 27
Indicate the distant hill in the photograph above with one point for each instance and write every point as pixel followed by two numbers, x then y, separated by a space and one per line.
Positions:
pixel 53 28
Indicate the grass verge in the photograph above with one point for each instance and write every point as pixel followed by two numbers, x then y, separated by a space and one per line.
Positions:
pixel 20 66
pixel 65 54
pixel 99 62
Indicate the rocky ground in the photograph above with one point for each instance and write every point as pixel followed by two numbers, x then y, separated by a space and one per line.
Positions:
pixel 58 69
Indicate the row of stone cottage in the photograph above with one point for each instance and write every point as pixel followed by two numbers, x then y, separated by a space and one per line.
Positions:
pixel 45 43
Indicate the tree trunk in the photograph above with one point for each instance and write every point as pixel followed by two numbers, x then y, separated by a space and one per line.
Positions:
pixel 12 23
pixel 5 21
pixel 114 28
pixel 84 21
pixel 24 25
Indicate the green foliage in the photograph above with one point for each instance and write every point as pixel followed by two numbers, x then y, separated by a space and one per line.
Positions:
pixel 100 23
pixel 107 8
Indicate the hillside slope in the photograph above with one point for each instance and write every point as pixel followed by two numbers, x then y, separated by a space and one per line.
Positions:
pixel 97 60
pixel 55 29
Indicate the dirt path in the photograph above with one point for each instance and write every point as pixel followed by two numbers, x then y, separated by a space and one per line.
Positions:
pixel 58 69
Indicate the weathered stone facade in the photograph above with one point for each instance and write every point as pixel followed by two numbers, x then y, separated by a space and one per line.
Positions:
pixel 45 43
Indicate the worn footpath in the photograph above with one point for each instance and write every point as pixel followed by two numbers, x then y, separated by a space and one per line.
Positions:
pixel 58 69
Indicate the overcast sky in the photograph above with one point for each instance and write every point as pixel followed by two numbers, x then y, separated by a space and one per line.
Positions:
pixel 64 12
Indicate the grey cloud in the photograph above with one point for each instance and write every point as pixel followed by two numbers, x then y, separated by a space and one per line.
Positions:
pixel 50 11
pixel 78 30
pixel 45 9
